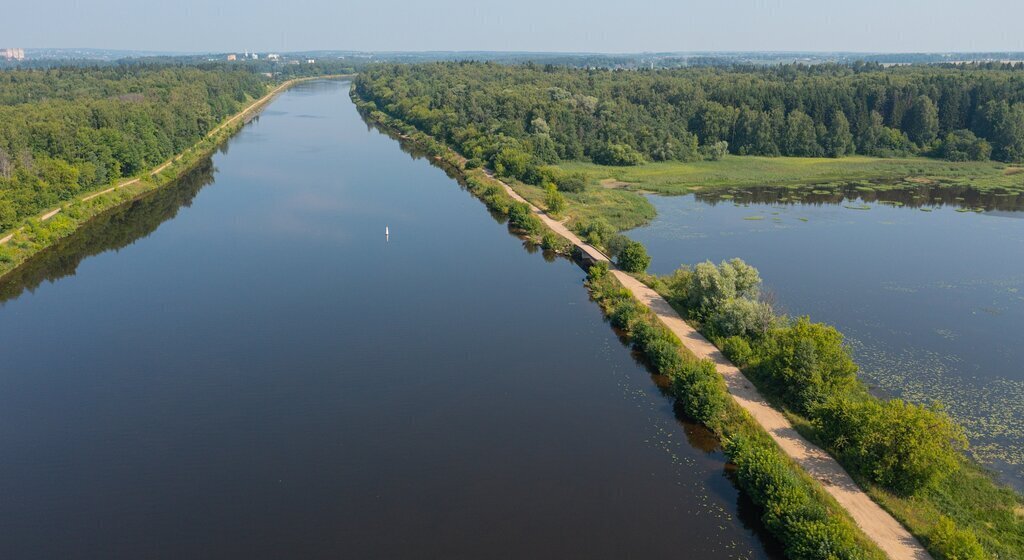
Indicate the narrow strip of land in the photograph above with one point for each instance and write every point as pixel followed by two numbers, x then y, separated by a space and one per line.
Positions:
pixel 255 105
pixel 882 528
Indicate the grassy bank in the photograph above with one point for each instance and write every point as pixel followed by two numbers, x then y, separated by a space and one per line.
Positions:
pixel 35 234
pixel 752 171
pixel 794 507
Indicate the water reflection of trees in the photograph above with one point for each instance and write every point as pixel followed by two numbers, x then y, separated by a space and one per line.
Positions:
pixel 111 230
pixel 910 196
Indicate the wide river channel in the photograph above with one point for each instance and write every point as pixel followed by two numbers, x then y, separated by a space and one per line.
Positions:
pixel 243 366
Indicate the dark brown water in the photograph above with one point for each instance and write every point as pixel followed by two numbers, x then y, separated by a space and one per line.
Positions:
pixel 241 366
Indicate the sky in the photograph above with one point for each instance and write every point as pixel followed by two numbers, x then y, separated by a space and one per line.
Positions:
pixel 517 25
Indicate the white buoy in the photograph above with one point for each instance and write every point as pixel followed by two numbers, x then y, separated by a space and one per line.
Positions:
pixel 387 233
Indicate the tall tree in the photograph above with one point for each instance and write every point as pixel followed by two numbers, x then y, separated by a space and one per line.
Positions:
pixel 799 137
pixel 838 140
pixel 1003 125
pixel 922 121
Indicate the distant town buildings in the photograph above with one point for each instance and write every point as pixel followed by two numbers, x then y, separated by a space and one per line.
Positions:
pixel 310 61
pixel 232 57
pixel 13 54
pixel 273 56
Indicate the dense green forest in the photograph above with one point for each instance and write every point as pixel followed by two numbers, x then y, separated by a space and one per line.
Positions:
pixel 68 130
pixel 519 118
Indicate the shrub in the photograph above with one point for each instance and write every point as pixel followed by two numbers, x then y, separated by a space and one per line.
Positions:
pixel 554 242
pixel 571 182
pixel 617 154
pixel 963 145
pixel 553 199
pixel 663 355
pixel 710 286
pixel 738 350
pixel 521 217
pixel 615 243
pixel 791 510
pixel 625 313
pixel 633 258
pixel 807 363
pixel 742 317
pixel 714 152
pixel 596 232
pixel 902 446
pixel 701 391
pixel 947 542
pixel 598 270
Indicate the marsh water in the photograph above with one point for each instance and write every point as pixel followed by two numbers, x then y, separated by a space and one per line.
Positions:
pixel 927 285
pixel 243 366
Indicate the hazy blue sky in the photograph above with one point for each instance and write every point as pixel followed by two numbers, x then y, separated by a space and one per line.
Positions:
pixel 526 25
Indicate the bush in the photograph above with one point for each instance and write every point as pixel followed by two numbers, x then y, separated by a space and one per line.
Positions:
pixel 554 242
pixel 701 391
pixel 714 152
pixel 625 313
pixel 791 510
pixel 598 270
pixel 738 350
pixel 742 317
pixel 807 363
pixel 521 216
pixel 617 154
pixel 572 182
pixel 634 258
pixel 902 446
pixel 553 199
pixel 947 542
pixel 615 243
pixel 596 232
pixel 963 145
pixel 710 286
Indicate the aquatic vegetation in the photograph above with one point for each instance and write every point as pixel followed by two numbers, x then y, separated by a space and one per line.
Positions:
pixel 909 456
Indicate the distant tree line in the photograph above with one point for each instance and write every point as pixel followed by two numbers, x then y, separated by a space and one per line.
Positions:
pixel 519 118
pixel 68 130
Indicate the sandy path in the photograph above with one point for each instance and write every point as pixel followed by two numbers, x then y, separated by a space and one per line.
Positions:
pixel 881 527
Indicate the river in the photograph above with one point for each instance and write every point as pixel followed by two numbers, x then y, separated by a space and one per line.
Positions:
pixel 242 365
pixel 927 286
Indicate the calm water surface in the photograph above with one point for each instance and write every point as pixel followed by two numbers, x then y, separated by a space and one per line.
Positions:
pixel 241 366
pixel 932 302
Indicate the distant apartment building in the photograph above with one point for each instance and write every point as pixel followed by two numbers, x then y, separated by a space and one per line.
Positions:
pixel 310 61
pixel 13 54
pixel 273 56
pixel 232 57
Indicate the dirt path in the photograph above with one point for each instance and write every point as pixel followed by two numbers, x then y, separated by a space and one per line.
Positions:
pixel 255 105
pixel 881 527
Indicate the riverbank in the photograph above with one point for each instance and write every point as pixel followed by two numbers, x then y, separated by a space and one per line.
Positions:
pixel 37 234
pixel 887 534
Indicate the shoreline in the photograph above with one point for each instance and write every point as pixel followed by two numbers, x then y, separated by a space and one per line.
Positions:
pixel 28 242
pixel 885 531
